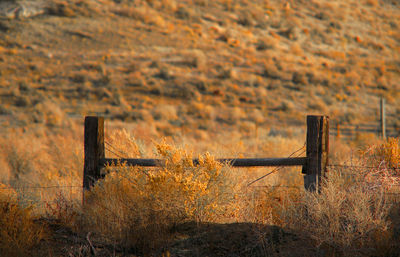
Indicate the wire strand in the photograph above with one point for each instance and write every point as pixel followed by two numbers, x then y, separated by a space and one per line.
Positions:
pixel 111 151
pixel 360 166
pixel 39 187
pixel 278 168
pixel 115 149
pixel 280 186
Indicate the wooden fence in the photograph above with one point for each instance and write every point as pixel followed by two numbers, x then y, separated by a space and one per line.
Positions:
pixel 352 131
pixel 314 164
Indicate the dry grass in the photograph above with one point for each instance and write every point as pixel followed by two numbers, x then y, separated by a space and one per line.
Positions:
pixel 386 154
pixel 349 217
pixel 18 231
pixel 355 212
pixel 35 159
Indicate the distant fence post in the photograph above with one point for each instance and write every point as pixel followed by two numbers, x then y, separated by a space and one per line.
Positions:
pixel 383 119
pixel 317 149
pixel 338 130
pixel 93 149
pixel 357 132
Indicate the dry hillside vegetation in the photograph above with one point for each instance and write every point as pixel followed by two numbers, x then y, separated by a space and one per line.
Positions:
pixel 200 64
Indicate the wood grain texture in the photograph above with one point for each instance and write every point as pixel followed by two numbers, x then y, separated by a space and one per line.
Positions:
pixel 317 151
pixel 93 148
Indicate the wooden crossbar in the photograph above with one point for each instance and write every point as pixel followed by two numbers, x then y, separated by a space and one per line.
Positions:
pixel 241 162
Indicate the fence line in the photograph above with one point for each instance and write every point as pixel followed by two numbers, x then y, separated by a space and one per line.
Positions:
pixel 38 187
pixel 121 160
pixel 278 168
pixel 361 166
pixel 380 128
pixel 353 130
pixel 313 165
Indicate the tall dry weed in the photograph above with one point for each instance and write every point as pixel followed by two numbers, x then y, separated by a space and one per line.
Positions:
pixel 137 207
pixel 18 231
pixel 348 217
pixel 40 165
pixel 388 153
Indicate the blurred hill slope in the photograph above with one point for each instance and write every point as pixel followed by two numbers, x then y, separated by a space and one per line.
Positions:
pixel 198 63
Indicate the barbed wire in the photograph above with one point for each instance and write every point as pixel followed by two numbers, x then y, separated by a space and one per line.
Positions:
pixel 361 166
pixel 109 148
pixel 280 186
pixel 279 168
pixel 37 187
pixel 302 149
pixel 115 149
pixel 111 151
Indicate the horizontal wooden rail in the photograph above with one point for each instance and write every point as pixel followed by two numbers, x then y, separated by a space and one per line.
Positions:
pixel 348 131
pixel 376 128
pixel 334 126
pixel 242 162
pixel 364 128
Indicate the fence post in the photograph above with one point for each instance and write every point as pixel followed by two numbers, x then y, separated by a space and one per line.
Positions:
pixel 383 119
pixel 357 131
pixel 338 130
pixel 317 148
pixel 93 150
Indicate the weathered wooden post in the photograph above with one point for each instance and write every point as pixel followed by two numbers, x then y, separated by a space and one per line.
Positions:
pixel 317 150
pixel 94 150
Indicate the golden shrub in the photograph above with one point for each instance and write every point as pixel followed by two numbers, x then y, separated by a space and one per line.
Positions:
pixel 137 206
pixel 387 154
pixel 389 151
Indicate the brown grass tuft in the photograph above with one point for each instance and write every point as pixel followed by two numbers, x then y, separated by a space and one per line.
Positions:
pixel 344 218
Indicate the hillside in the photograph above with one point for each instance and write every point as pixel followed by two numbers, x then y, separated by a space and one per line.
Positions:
pixel 198 65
